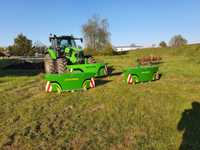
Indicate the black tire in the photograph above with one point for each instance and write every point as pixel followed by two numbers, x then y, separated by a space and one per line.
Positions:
pixel 49 64
pixel 60 65
pixel 91 60
pixel 156 76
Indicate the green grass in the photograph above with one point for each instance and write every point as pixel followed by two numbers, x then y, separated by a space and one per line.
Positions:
pixel 111 116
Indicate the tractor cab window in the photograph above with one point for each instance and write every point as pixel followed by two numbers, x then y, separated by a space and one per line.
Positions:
pixel 64 43
pixel 67 43
pixel 73 43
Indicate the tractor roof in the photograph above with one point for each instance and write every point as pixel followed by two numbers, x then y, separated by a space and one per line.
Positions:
pixel 68 37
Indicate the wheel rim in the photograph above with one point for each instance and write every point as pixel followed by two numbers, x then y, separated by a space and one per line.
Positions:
pixel 58 89
pixel 135 79
pixel 84 86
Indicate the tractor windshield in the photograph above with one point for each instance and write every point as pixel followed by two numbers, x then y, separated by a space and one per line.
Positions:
pixel 73 43
pixel 68 43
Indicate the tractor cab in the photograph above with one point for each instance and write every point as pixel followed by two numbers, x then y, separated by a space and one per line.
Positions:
pixel 62 42
pixel 65 46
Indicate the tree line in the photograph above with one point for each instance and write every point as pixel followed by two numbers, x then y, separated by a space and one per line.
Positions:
pixel 96 37
pixel 175 41
pixel 24 47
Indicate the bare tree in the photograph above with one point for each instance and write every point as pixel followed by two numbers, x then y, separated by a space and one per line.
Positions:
pixel 177 41
pixel 96 34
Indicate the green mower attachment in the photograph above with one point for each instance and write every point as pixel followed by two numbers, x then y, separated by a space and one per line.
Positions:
pixel 69 82
pixel 141 74
pixel 100 70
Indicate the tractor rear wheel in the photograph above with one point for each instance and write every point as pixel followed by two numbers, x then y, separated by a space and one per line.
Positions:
pixel 49 64
pixel 60 65
pixel 91 60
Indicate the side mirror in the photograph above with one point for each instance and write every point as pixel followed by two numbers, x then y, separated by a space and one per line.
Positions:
pixel 81 40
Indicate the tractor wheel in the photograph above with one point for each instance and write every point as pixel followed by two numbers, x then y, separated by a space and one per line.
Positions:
pixel 56 88
pixel 49 64
pixel 60 65
pixel 136 79
pixel 91 60
pixel 156 76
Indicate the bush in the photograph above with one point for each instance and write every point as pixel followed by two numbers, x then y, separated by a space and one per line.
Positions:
pixel 177 41
pixel 163 44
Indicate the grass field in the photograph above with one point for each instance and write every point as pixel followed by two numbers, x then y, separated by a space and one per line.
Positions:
pixel 148 116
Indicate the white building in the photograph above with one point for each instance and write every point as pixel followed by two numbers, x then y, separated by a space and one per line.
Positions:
pixel 126 48
pixel 132 47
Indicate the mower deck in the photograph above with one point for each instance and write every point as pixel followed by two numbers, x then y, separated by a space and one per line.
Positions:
pixel 69 81
pixel 141 74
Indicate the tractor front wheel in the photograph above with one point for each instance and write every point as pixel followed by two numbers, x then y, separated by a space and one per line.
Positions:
pixel 49 64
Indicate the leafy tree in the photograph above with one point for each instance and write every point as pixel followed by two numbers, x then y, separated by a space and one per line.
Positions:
pixel 96 34
pixel 22 46
pixel 177 41
pixel 163 44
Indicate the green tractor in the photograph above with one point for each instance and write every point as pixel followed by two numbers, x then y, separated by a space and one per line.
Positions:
pixel 64 55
